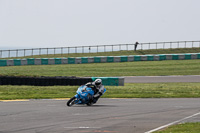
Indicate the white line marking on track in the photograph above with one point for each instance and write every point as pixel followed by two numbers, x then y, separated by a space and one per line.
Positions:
pixel 82 127
pixel 80 114
pixel 172 123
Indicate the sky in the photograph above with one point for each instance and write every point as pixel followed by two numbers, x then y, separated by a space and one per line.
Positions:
pixel 65 23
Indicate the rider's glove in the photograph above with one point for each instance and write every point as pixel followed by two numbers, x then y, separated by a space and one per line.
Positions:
pixel 97 95
pixel 88 84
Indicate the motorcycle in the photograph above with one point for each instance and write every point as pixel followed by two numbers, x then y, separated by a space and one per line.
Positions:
pixel 83 96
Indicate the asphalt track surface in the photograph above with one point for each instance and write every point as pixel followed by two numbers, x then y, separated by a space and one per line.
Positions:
pixel 107 116
pixel 162 79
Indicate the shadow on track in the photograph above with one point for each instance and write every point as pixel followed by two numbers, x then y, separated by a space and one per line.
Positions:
pixel 94 106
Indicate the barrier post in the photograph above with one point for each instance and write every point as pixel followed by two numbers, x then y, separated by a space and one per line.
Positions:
pixel 1 54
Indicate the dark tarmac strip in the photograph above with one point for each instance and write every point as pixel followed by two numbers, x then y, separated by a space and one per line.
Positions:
pixel 162 79
pixel 107 116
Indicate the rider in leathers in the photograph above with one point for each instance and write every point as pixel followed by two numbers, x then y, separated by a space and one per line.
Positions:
pixel 98 89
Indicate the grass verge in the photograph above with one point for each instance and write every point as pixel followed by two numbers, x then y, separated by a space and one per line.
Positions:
pixel 141 68
pixel 130 90
pixel 182 128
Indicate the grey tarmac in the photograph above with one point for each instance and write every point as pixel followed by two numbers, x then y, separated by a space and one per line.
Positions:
pixel 162 79
pixel 108 115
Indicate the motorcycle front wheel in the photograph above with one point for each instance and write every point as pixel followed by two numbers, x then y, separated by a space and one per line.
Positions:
pixel 71 101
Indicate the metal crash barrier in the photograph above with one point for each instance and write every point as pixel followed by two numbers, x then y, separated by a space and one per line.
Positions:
pixel 98 59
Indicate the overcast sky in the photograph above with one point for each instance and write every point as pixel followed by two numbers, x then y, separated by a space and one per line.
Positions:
pixel 55 23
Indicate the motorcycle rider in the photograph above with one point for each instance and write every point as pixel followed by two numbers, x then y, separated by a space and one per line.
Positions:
pixel 98 89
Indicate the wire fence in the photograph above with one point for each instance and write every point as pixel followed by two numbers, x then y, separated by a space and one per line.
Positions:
pixel 97 48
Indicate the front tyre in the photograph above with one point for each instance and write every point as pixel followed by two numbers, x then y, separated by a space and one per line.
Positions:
pixel 71 101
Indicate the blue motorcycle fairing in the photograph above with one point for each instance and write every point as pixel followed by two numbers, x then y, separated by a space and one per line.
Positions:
pixel 83 94
pixel 104 91
pixel 83 90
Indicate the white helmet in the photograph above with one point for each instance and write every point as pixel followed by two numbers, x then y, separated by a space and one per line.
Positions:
pixel 98 82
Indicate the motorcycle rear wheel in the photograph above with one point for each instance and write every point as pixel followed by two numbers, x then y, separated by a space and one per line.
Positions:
pixel 89 104
pixel 71 101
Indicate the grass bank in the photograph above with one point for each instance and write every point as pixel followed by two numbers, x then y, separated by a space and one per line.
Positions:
pixel 141 68
pixel 130 90
pixel 182 128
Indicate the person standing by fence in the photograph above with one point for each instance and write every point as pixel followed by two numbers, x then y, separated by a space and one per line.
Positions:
pixel 136 45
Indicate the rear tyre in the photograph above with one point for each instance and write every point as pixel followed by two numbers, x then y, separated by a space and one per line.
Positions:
pixel 71 101
pixel 89 104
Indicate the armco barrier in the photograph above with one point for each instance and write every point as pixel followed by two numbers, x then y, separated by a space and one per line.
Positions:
pixel 124 58
pixel 51 61
pixel 52 81
pixel 143 57
pixel 37 61
pixel 103 59
pixel 137 58
pixel 168 57
pixel 17 62
pixel 117 59
pixel 158 57
pixel 64 60
pixel 175 57
pixel 84 60
pixel 3 62
pixel 71 61
pixel 188 56
pixel 58 61
pixel 78 60
pixel 24 62
pixel 111 81
pixel 44 61
pixel 31 61
pixel 130 58
pixel 10 62
pixel 98 59
pixel 198 55
pixel 150 57
pixel 90 59
pixel 110 59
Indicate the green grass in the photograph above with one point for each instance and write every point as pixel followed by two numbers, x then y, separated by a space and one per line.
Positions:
pixel 130 90
pixel 118 53
pixel 148 68
pixel 141 68
pixel 182 128
pixel 155 90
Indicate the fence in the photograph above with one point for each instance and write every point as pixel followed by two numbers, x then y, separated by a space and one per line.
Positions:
pixel 97 48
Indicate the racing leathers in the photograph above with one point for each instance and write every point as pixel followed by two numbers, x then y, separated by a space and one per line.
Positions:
pixel 98 91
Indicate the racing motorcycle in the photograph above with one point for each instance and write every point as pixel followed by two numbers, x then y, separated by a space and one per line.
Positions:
pixel 83 95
